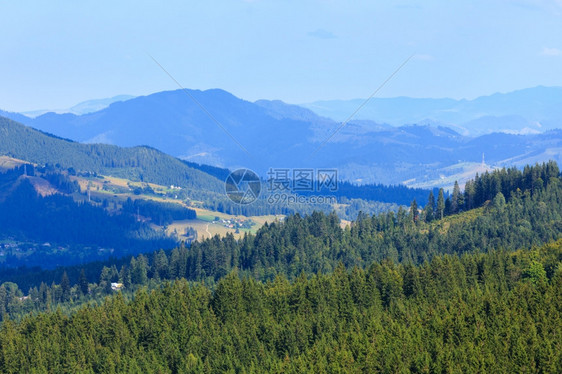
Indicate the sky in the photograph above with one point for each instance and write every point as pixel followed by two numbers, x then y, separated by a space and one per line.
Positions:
pixel 56 54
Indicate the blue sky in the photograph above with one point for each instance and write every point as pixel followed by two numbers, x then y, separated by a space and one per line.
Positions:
pixel 56 54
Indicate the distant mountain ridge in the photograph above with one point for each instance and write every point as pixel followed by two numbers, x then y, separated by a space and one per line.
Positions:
pixel 530 110
pixel 272 134
pixel 88 106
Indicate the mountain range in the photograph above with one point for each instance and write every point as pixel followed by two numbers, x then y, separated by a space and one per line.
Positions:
pixel 525 111
pixel 88 106
pixel 215 127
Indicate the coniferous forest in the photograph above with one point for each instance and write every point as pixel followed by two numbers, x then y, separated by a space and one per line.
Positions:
pixel 467 283
pixel 494 312
pixel 250 187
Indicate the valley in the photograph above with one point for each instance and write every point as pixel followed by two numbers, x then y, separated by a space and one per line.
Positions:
pixel 304 272
pixel 113 192
pixel 91 229
pixel 253 187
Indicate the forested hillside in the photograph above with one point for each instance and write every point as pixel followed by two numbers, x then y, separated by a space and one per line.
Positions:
pixel 197 230
pixel 136 163
pixel 203 183
pixel 67 232
pixel 469 283
pixel 318 244
pixel 498 312
pixel 470 292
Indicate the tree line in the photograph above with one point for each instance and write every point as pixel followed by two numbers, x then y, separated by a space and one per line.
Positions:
pixel 317 243
pixel 500 184
pixel 483 312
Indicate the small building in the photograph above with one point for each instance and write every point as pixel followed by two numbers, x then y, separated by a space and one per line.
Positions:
pixel 116 286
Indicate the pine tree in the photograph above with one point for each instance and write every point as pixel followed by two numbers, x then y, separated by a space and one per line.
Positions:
pixel 3 301
pixel 65 287
pixel 139 270
pixel 44 294
pixel 105 279
pixel 125 276
pixel 440 204
pixel 458 199
pixel 429 207
pixel 414 210
pixel 83 282
pixel 468 195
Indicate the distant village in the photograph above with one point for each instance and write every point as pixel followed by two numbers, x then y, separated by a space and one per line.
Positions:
pixel 235 223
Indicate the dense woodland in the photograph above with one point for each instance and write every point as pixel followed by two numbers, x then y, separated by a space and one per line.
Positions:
pixel 137 163
pixel 470 282
pixel 398 194
pixel 501 184
pixel 160 213
pixel 58 219
pixel 497 312
pixel 318 244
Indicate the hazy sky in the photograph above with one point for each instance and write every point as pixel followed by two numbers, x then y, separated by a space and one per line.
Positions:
pixel 55 54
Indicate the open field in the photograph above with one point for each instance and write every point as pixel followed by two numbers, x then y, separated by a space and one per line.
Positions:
pixel 7 163
pixel 117 190
pixel 206 225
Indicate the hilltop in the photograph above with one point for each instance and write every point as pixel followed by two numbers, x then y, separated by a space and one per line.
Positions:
pixel 137 163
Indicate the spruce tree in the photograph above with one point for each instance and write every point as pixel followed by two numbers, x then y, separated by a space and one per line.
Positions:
pixel 440 204
pixel 65 287
pixel 429 207
pixel 414 210
pixel 83 282
pixel 456 205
